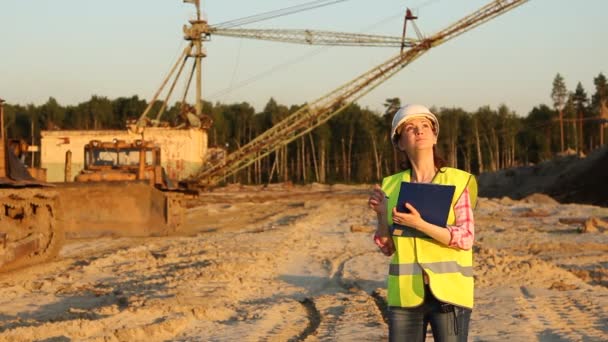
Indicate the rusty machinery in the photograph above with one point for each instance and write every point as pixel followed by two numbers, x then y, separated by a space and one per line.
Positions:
pixel 199 31
pixel 319 111
pixel 30 225
pixel 313 113
pixel 127 192
pixel 119 160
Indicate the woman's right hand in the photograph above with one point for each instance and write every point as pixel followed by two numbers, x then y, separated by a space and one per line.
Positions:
pixel 377 200
pixel 382 239
pixel 385 243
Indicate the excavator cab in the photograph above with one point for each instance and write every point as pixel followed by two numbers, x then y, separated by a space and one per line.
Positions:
pixel 119 160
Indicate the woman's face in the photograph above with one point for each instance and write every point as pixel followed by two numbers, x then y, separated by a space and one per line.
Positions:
pixel 416 134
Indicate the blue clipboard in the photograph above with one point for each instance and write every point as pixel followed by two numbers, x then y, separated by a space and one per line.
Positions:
pixel 432 201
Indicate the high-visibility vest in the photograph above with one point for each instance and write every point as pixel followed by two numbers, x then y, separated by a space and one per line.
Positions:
pixel 450 270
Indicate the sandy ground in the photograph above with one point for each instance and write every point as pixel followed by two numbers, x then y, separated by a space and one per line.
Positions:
pixel 299 264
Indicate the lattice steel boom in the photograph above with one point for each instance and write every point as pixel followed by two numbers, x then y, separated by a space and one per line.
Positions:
pixel 314 37
pixel 317 112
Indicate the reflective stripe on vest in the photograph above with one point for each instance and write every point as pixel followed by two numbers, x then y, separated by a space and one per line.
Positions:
pixel 450 270
pixel 435 267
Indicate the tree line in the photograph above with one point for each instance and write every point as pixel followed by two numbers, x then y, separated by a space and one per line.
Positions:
pixel 354 146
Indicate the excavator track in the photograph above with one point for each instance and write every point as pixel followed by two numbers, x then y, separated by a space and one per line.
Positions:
pixel 30 232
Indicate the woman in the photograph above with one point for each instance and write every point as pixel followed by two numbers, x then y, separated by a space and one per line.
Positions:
pixel 430 276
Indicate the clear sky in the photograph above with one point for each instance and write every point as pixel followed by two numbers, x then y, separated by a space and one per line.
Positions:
pixel 72 49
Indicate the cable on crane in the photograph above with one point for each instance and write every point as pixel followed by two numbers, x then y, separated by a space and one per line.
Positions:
pixel 268 72
pixel 300 58
pixel 426 3
pixel 180 48
pixel 236 63
pixel 277 13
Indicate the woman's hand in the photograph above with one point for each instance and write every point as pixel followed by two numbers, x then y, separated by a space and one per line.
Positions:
pixel 377 200
pixel 413 219
pixel 385 243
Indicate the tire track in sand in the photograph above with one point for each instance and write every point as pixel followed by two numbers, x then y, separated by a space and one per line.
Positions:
pixel 351 313
pixel 546 315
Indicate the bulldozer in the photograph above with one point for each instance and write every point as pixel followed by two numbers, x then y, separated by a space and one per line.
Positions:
pixel 122 191
pixel 119 160
pixel 30 224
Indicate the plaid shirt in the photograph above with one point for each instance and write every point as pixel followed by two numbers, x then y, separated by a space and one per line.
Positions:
pixel 463 231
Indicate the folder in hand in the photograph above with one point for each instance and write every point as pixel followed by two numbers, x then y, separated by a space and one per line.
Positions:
pixel 432 201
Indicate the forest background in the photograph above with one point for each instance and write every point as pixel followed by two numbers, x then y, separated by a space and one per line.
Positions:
pixel 354 146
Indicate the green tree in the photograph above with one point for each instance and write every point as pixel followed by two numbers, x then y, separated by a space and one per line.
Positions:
pixel 488 123
pixel 449 121
pixel 599 103
pixel 559 95
pixel 272 114
pixel 509 126
pixel 125 108
pixel 535 145
pixel 465 141
pixel 601 90
pixel 17 121
pixel 580 101
pixel 391 106
pixel 52 114
pixel 366 165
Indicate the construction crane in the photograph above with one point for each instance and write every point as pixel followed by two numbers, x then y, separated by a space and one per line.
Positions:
pixel 200 31
pixel 319 111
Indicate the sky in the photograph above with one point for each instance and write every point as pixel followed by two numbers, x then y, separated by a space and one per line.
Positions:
pixel 73 49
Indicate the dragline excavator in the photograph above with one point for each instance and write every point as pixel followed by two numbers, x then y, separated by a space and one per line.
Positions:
pixel 319 111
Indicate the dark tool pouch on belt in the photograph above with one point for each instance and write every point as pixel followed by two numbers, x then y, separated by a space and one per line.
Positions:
pixel 445 308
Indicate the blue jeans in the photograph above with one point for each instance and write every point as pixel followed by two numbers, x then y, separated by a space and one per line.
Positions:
pixel 449 323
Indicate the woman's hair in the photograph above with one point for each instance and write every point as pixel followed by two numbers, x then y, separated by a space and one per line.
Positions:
pixel 405 164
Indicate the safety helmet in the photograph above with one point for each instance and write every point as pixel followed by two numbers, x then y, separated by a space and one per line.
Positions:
pixel 411 111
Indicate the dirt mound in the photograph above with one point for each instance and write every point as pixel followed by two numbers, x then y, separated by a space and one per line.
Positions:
pixel 584 182
pixel 539 199
pixel 567 179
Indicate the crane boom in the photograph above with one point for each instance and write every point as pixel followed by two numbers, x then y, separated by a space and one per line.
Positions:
pixel 314 37
pixel 317 112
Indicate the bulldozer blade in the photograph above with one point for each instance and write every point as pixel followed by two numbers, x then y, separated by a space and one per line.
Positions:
pixel 117 209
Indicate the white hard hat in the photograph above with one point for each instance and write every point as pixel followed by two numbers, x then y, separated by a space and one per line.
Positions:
pixel 411 111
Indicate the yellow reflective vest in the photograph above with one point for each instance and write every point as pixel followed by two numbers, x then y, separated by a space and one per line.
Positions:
pixel 450 270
